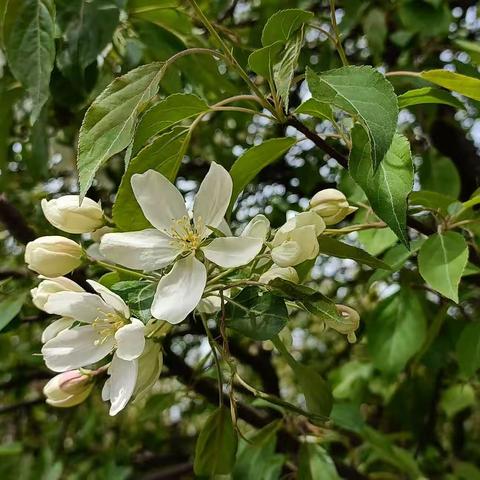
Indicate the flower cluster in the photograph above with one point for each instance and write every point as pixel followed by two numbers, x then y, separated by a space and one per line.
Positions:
pixel 192 256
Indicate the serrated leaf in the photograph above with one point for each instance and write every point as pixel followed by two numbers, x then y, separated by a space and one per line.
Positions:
pixel 164 115
pixel 261 61
pixel 255 159
pixel 163 155
pixel 29 37
pixel 316 109
pixel 110 121
pixel 365 94
pixel 441 262
pixel 468 86
pixel 468 349
pixel 335 248
pixel 257 315
pixel 216 445
pixel 420 96
pixel 396 330
pixel 138 295
pixel 388 187
pixel 282 25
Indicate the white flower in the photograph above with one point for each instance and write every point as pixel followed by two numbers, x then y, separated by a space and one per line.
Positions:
pixel 331 205
pixel 53 256
pixel 258 227
pixel 177 239
pixel 106 327
pixel 68 389
pixel 296 241
pixel 286 273
pixel 66 213
pixel 48 286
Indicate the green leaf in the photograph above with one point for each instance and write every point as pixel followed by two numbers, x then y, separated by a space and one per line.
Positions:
pixel 420 96
pixel 439 174
pixel 396 330
pixel 29 31
pixel 316 109
pixel 427 20
pixel 255 159
pixel 433 200
pixel 457 398
pixel 138 295
pixel 313 460
pixel 334 248
pixel 467 86
pixel 441 261
pixel 261 61
pixel 318 395
pixel 472 48
pixel 468 349
pixel 110 121
pixel 10 308
pixel 282 25
pixel 256 314
pixel 375 28
pixel 164 115
pixel 216 445
pixel 365 94
pixel 283 70
pixel 388 187
pixel 164 155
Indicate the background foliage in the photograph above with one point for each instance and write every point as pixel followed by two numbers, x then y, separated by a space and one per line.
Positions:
pixel 406 394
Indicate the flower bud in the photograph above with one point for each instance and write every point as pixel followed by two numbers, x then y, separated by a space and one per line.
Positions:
pixel 286 273
pixel 53 256
pixel 349 324
pixel 48 286
pixel 331 205
pixel 68 389
pixel 258 227
pixel 66 213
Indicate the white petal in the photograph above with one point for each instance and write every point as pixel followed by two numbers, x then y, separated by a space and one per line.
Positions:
pixel 287 254
pixel 231 252
pixel 123 376
pixel 212 199
pixel 130 340
pixel 159 199
pixel 149 367
pixel 257 227
pixel 75 348
pixel 106 390
pixel 110 298
pixel 146 250
pixel 224 228
pixel 82 306
pixel 55 328
pixel 179 292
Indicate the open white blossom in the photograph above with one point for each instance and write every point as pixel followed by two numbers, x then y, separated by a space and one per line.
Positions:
pixel 180 239
pixel 105 327
pixel 48 286
pixel 296 240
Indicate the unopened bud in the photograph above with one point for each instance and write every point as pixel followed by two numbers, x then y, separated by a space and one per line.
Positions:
pixel 68 389
pixel 331 205
pixel 66 213
pixel 349 324
pixel 48 286
pixel 53 256
pixel 286 273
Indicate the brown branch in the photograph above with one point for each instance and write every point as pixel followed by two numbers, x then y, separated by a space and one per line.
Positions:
pixel 21 405
pixel 15 222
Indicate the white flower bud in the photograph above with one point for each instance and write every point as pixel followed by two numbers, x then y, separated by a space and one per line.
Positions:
pixel 48 286
pixel 68 389
pixel 350 323
pixel 331 205
pixel 53 256
pixel 66 213
pixel 258 227
pixel 286 273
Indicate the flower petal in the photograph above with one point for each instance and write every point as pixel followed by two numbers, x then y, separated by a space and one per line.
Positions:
pixel 55 328
pixel 123 377
pixel 159 199
pixel 257 227
pixel 130 340
pixel 212 199
pixel 75 348
pixel 82 306
pixel 179 292
pixel 149 367
pixel 110 298
pixel 146 250
pixel 231 252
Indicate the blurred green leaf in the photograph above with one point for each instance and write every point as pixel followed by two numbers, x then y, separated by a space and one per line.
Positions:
pixel 424 95
pixel 313 460
pixel 283 24
pixel 468 349
pixel 468 86
pixel 10 307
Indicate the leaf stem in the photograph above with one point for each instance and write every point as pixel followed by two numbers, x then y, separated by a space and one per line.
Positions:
pixel 402 73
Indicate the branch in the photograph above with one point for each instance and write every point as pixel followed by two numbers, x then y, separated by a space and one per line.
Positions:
pixel 15 222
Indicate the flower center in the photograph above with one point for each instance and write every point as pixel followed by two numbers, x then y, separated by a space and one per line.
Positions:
pixel 185 235
pixel 106 325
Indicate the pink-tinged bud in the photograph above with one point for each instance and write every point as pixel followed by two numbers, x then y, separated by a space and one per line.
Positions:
pixel 331 205
pixel 68 389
